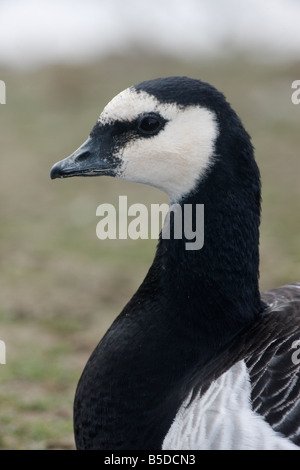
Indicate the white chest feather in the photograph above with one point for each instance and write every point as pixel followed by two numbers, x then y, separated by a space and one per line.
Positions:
pixel 222 419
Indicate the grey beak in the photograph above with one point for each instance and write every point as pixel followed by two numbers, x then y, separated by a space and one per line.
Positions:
pixel 90 159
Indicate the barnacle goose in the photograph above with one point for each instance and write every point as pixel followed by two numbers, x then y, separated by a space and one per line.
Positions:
pixel 198 358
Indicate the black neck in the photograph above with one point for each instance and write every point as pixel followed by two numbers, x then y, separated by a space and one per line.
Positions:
pixel 217 286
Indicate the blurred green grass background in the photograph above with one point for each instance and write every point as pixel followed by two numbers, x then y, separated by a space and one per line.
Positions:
pixel 61 287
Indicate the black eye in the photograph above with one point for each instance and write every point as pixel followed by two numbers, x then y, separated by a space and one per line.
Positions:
pixel 150 124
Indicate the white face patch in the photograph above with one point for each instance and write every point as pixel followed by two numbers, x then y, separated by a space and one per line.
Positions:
pixel 174 159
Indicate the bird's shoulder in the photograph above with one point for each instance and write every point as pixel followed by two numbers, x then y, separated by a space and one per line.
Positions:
pixel 270 348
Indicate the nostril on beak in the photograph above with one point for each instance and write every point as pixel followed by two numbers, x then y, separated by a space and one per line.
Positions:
pixel 83 156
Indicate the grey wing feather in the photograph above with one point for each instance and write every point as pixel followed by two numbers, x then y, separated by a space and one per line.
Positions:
pixel 274 374
pixel 267 349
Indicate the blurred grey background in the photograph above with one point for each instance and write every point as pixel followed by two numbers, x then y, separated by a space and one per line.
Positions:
pixel 39 32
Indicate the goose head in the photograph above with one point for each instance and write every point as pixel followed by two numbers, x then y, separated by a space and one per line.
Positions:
pixel 162 132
